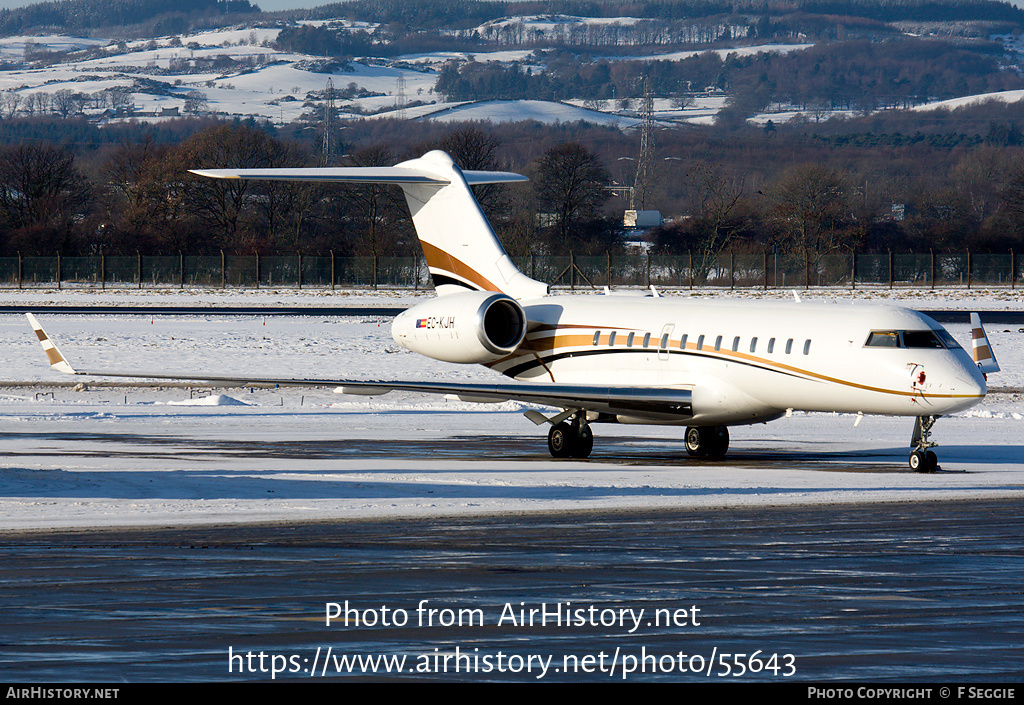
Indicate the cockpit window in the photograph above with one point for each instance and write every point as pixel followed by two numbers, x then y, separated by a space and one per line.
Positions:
pixel 948 340
pixel 921 339
pixel 910 339
pixel 883 339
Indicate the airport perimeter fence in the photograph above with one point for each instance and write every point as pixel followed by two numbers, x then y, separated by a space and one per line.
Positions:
pixel 766 270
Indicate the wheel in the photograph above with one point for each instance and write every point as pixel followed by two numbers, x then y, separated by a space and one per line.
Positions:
pixel 918 461
pixel 712 441
pixel 719 441
pixel 561 440
pixel 931 461
pixel 584 443
pixel 695 441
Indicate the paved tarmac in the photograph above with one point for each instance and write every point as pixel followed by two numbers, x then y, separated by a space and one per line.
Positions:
pixel 921 592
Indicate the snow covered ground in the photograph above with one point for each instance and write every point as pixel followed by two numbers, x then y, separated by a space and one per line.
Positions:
pixel 127 456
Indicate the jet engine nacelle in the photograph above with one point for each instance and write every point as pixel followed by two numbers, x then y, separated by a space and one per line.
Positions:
pixel 474 327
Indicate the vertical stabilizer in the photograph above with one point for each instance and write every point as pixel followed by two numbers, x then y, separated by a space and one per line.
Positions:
pixel 460 247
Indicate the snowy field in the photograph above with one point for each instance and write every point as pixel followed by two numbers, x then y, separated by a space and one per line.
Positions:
pixel 171 455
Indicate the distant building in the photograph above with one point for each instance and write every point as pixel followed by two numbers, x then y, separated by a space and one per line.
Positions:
pixel 641 219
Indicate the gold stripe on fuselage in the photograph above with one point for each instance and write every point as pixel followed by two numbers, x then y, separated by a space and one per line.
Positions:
pixel 551 346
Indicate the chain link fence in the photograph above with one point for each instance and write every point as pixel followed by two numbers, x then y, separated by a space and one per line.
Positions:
pixel 768 270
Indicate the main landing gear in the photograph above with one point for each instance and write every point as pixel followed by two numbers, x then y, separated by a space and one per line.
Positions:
pixel 922 459
pixel 571 438
pixel 707 441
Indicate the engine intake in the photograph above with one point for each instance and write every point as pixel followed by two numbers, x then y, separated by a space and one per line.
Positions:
pixel 471 327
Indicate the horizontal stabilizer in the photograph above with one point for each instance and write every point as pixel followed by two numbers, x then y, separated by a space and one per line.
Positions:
pixel 360 175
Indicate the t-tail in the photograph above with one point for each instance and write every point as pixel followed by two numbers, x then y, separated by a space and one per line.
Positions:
pixel 460 247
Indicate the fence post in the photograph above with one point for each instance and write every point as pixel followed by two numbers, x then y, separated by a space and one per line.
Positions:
pixel 608 268
pixel 300 270
pixel 764 268
pixel 969 269
pixel 257 268
pixel 415 271
pixel 689 266
pixel 890 269
pixel 103 270
pixel 332 270
pixel 19 269
pixel 732 270
pixel 139 255
pixel 223 271
pixel 932 253
pixel 807 269
pixel 375 272
pixel 572 272
pixel 1013 270
pixel 181 270
pixel 58 270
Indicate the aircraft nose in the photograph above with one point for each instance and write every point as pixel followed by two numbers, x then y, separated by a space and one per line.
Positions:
pixel 969 386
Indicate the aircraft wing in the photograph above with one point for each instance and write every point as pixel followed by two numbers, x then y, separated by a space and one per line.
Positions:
pixel 650 402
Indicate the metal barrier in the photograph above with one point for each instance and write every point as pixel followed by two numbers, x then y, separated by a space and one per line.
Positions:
pixel 768 270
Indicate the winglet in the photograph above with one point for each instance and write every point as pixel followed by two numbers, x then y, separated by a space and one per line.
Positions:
pixel 57 360
pixel 983 354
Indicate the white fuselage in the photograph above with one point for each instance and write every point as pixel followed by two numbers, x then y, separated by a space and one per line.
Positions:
pixel 747 361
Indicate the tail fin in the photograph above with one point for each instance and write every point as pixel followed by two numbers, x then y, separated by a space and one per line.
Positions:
pixel 461 249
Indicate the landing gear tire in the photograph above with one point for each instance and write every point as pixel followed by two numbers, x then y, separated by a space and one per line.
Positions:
pixel 561 439
pixel 924 461
pixel 565 441
pixel 710 441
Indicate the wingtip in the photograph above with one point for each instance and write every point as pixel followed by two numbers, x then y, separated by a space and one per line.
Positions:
pixel 57 361
pixel 982 352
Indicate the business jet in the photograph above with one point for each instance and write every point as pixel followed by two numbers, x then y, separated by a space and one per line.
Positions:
pixel 629 359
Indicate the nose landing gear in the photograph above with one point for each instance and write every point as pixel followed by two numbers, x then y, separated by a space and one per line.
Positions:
pixel 922 459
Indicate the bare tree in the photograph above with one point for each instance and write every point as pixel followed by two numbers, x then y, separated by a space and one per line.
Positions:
pixel 196 103
pixel 42 195
pixel 11 101
pixel 572 185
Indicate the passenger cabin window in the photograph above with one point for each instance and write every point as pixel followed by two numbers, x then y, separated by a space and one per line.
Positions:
pixel 647 339
pixel 789 346
pixel 807 347
pixel 718 343
pixel 611 338
pixel 736 344
pixel 700 343
pixel 682 342
pixel 753 345
pixel 771 346
pixel 597 337
pixel 629 340
pixel 664 341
